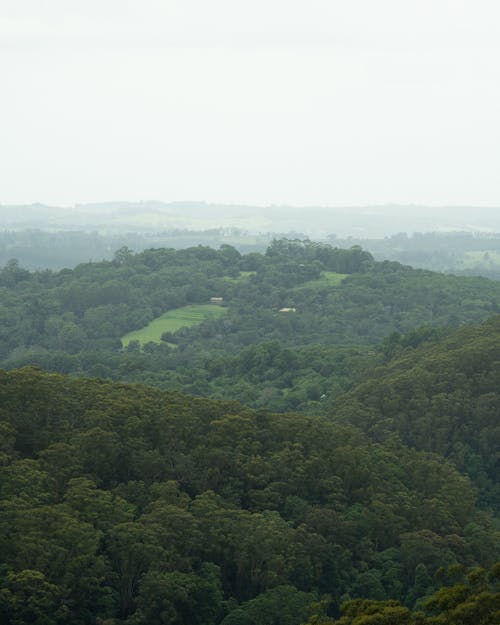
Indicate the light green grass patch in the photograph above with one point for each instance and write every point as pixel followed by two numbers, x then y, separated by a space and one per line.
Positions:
pixel 174 320
pixel 243 276
pixel 328 278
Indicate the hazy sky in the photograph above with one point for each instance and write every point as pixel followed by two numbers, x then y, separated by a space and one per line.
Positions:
pixel 257 101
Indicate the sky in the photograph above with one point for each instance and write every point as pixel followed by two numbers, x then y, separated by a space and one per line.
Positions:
pixel 302 102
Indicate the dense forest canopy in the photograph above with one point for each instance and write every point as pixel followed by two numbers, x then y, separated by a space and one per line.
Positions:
pixel 122 504
pixel 442 397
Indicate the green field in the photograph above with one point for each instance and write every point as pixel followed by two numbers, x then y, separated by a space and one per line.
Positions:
pixel 243 276
pixel 172 321
pixel 328 278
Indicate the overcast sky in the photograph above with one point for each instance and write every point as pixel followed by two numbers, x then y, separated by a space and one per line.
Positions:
pixel 329 102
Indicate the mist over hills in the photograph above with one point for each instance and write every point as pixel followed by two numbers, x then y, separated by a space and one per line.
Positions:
pixel 314 221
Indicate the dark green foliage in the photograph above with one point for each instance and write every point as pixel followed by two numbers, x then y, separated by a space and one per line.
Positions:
pixel 443 398
pixel 123 504
pixel 473 600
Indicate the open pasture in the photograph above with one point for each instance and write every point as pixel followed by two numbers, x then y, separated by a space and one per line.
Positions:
pixel 327 278
pixel 173 320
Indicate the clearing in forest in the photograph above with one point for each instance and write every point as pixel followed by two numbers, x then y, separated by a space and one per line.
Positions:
pixel 172 321
pixel 243 275
pixel 327 278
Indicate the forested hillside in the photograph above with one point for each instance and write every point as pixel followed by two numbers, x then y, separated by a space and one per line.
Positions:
pixel 443 397
pixel 336 306
pixel 126 504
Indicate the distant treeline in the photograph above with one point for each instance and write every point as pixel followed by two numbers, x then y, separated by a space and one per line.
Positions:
pixel 38 249
pixel 463 253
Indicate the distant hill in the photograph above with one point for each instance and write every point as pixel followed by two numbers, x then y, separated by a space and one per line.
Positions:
pixel 313 221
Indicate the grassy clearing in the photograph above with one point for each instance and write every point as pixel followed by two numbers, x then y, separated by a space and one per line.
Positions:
pixel 328 278
pixel 243 276
pixel 172 321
